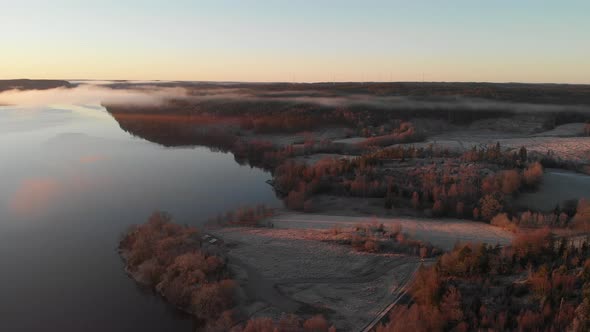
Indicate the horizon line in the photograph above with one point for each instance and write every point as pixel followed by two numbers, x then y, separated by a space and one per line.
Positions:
pixel 288 82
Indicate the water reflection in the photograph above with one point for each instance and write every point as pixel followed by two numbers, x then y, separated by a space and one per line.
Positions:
pixel 557 188
pixel 72 182
pixel 34 196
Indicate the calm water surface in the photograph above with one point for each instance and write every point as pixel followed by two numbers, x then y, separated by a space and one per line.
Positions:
pixel 557 187
pixel 71 182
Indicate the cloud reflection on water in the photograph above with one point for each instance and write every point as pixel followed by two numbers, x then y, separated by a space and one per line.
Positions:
pixel 35 196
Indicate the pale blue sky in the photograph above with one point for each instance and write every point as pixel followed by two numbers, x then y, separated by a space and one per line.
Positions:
pixel 526 41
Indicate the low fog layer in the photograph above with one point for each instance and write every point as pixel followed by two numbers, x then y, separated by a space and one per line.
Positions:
pixel 384 102
pixel 90 94
pixel 150 94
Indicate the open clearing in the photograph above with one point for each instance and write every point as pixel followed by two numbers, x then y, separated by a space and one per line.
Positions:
pixel 567 148
pixel 289 268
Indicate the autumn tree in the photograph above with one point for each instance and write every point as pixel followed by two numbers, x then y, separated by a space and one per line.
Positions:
pixel 450 306
pixel 581 219
pixel 168 258
pixel 316 324
pixel 211 299
pixel 529 320
pixel 510 181
pixel 502 220
pixel 533 243
pixel 259 324
pixel 490 205
pixel 418 318
pixel 371 246
pixel 426 287
pixel 533 174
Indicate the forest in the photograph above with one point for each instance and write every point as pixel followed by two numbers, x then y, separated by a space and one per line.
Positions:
pixel 434 150
pixel 540 282
pixel 174 261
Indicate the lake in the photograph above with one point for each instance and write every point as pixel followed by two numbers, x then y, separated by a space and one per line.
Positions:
pixel 557 187
pixel 72 181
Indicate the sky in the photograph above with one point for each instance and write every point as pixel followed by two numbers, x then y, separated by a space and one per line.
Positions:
pixel 304 41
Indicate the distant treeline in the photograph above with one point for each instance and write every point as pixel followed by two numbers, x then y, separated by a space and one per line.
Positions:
pixel 568 94
pixel 24 84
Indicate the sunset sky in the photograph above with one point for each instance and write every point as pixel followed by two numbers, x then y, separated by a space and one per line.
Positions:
pixel 500 41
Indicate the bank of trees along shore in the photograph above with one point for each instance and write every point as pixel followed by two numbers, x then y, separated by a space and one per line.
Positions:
pixel 171 259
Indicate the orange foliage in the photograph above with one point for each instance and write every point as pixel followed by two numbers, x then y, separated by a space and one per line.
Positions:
pixel 168 258
pixel 490 206
pixel 289 323
pixel 582 218
pixel 426 286
pixel 532 243
pixel 533 174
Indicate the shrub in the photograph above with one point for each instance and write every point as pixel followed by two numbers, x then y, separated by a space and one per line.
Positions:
pixel 502 220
